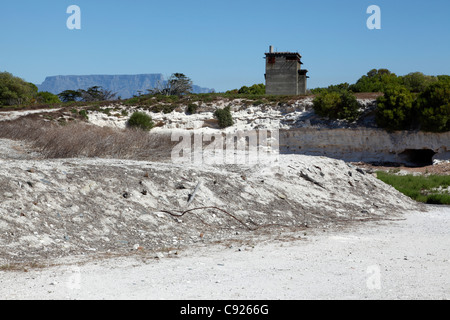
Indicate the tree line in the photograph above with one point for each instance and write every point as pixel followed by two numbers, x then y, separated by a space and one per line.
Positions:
pixel 411 102
pixel 16 91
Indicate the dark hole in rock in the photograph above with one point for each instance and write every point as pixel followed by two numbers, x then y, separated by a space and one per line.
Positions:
pixel 417 157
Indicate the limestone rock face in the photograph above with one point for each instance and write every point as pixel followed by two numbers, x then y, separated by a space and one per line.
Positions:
pixel 367 144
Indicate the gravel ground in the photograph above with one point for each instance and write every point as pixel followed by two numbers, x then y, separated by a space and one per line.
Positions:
pixel 404 259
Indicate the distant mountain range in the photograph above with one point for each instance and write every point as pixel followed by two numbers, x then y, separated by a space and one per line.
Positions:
pixel 126 86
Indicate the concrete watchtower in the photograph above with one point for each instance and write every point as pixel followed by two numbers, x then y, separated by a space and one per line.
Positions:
pixel 283 73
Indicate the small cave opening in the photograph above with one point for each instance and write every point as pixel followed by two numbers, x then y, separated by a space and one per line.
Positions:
pixel 417 157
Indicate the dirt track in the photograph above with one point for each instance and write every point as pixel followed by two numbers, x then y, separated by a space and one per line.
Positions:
pixel 404 259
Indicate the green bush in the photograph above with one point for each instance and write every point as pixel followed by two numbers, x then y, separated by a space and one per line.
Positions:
pixel 164 108
pixel 433 106
pixel 337 105
pixel 47 97
pixel 192 108
pixel 15 91
pixel 417 81
pixel 224 117
pixel 376 81
pixel 132 101
pixel 256 89
pixel 333 88
pixel 140 120
pixel 395 109
pixel 84 114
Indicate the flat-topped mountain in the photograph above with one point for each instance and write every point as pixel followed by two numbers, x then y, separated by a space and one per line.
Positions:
pixel 125 86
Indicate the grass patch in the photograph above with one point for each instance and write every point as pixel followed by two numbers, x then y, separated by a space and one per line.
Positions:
pixel 432 189
pixel 79 139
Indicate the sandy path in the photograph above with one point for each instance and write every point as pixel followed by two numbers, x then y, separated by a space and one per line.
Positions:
pixel 406 259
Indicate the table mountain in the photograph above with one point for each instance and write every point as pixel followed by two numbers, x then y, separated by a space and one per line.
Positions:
pixel 125 86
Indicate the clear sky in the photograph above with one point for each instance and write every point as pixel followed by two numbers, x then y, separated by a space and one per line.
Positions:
pixel 221 44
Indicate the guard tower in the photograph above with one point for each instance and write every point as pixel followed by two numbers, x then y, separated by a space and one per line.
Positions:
pixel 284 75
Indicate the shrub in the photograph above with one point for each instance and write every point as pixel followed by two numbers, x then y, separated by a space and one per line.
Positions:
pixel 168 109
pixel 164 108
pixel 15 91
pixel 395 109
pixel 140 120
pixel 47 97
pixel 417 81
pixel 256 89
pixel 192 108
pixel 84 114
pixel 325 102
pixel 258 102
pixel 337 105
pixel 133 101
pixel 376 81
pixel 224 117
pixel 433 106
pixel 333 88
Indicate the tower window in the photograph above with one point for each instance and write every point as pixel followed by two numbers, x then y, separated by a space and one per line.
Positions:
pixel 292 58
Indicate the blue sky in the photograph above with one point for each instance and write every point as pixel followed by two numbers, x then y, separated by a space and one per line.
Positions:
pixel 221 44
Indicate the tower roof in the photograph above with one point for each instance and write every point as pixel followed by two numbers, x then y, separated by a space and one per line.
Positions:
pixel 279 54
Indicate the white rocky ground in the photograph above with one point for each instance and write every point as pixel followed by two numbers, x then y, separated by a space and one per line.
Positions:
pixel 65 215
pixel 405 259
pixel 246 117
pixel 56 208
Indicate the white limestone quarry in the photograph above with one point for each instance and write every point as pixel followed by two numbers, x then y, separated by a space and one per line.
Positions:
pixel 365 144
pixel 57 213
pixel 303 132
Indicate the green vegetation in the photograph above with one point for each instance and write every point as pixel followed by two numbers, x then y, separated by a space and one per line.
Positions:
pixel 337 105
pixel 380 80
pixel 399 109
pixel 224 117
pixel 192 108
pixel 433 106
pixel 256 89
pixel 47 98
pixel 417 81
pixel 431 189
pixel 411 102
pixel 177 85
pixel 95 93
pixel 141 121
pixel 333 88
pixel 395 108
pixel 70 95
pixel 15 91
pixel 83 113
pixel 375 81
